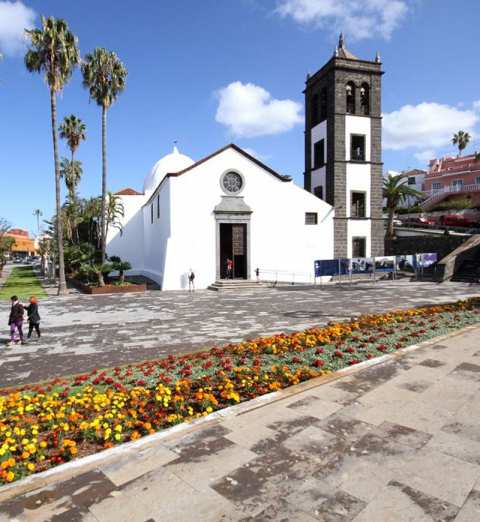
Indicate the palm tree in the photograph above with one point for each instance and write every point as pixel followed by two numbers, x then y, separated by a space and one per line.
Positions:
pixel 115 212
pixel 395 190
pixel 462 139
pixel 38 213
pixel 104 75
pixel 72 172
pixel 73 130
pixel 121 266
pixel 54 51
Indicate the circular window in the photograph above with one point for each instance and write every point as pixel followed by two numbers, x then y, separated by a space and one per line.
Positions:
pixel 232 182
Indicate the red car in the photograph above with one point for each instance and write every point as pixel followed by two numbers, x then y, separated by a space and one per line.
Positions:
pixel 457 221
pixel 418 221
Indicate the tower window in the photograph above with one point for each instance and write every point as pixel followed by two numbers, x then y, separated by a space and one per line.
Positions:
pixel 350 95
pixel 151 213
pixel 357 209
pixel 318 192
pixel 357 151
pixel 311 218
pixel 319 154
pixel 314 110
pixel 359 246
pixel 365 99
pixel 158 206
pixel 323 105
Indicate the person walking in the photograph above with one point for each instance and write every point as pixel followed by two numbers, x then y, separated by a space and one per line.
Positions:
pixel 229 268
pixel 15 320
pixel 191 281
pixel 257 273
pixel 33 317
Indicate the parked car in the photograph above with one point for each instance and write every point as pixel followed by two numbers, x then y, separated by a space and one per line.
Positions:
pixel 457 221
pixel 418 221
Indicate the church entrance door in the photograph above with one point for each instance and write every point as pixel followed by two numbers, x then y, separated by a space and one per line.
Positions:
pixel 233 245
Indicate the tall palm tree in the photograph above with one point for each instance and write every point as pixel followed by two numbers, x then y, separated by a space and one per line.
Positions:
pixel 72 172
pixel 104 75
pixel 462 139
pixel 395 190
pixel 53 50
pixel 38 213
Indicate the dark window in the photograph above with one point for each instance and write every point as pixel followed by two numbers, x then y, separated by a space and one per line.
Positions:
pixel 358 147
pixel 314 110
pixel 350 95
pixel 323 105
pixel 358 205
pixel 411 180
pixel 319 154
pixel 477 180
pixel 318 191
pixel 359 246
pixel 457 183
pixel 151 213
pixel 365 99
pixel 158 206
pixel 311 218
pixel 436 186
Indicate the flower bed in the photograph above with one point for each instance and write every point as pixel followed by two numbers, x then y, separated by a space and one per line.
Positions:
pixel 45 425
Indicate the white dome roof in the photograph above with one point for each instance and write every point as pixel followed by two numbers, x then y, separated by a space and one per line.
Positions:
pixel 171 163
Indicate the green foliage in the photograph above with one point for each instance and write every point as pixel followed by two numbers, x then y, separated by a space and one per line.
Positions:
pixel 413 209
pixel 121 266
pixel 78 255
pixel 460 204
pixel 462 139
pixel 100 271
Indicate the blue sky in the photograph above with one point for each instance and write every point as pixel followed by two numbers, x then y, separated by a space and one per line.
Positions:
pixel 209 72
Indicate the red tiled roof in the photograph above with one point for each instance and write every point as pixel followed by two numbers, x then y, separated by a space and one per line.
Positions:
pixel 127 192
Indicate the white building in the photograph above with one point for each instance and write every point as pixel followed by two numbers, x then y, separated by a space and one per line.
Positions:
pixel 227 205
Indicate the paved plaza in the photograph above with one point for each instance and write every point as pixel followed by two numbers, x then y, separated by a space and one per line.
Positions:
pixel 83 332
pixel 398 441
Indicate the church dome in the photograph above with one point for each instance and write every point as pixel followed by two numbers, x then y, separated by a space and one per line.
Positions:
pixel 171 163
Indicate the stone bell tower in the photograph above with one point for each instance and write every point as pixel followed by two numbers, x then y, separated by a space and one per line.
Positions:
pixel 343 149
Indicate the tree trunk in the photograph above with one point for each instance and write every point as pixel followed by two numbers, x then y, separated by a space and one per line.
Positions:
pixel 391 212
pixel 62 285
pixel 104 184
pixel 101 280
pixel 121 276
pixel 73 197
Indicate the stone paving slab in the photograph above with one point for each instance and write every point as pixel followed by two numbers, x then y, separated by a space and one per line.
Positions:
pixel 286 460
pixel 84 332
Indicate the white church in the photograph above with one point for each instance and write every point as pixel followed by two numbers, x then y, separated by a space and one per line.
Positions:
pixel 229 205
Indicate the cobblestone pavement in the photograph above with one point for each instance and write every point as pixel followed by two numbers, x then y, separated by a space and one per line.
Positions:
pixel 399 441
pixel 82 332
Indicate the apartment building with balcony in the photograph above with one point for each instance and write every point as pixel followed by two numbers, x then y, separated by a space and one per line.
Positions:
pixel 449 179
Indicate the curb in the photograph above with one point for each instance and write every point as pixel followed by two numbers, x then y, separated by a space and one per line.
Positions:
pixel 65 471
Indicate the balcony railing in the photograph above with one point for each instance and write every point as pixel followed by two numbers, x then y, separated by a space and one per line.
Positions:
pixel 435 195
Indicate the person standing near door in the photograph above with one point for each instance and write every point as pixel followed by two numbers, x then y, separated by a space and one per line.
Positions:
pixel 229 268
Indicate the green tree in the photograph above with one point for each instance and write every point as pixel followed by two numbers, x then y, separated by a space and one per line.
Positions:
pixel 121 266
pixel 395 190
pixel 72 172
pixel 53 50
pixel 462 139
pixel 73 130
pixel 104 75
pixel 38 213
pixel 6 242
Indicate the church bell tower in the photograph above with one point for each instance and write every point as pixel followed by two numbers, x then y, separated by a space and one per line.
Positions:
pixel 343 149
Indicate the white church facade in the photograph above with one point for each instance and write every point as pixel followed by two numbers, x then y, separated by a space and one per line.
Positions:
pixel 229 205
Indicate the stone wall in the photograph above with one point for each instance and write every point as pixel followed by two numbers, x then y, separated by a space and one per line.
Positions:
pixel 442 245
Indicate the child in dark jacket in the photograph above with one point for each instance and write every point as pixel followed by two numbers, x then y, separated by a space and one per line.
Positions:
pixel 33 317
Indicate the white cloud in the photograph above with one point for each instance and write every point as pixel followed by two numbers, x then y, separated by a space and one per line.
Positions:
pixel 255 154
pixel 426 155
pixel 15 17
pixel 248 110
pixel 476 106
pixel 358 19
pixel 425 126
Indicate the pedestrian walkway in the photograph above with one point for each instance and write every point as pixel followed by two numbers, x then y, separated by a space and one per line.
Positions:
pixel 81 333
pixel 397 441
